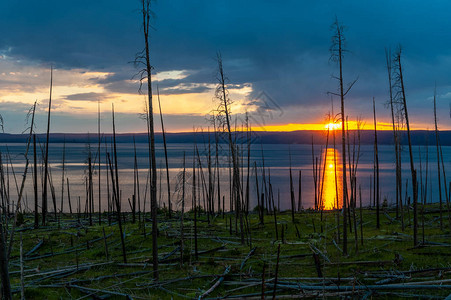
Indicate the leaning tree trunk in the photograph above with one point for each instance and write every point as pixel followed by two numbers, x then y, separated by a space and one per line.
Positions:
pixel 412 167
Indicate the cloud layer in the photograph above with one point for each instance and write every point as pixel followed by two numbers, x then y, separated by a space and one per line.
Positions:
pixel 279 49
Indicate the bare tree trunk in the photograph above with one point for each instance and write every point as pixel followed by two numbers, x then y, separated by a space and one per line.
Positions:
pixel 135 177
pixel 335 175
pixel 20 192
pixel 68 196
pixel 376 157
pixel 300 191
pixel 146 13
pixel 90 200
pixel 445 186
pixel 4 272
pixel 195 207
pixel 62 176
pixel 314 176
pixel 165 155
pixel 337 54
pixel 99 161
pixel 248 167
pixel 46 157
pixel 438 163
pixel 217 169
pixel 395 134
pixel 35 185
pixel 211 208
pixel 222 89
pixel 361 216
pixel 117 194
pixel 291 191
pixel 412 167
pixel 183 212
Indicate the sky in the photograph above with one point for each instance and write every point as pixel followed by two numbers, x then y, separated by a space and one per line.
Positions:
pixel 276 56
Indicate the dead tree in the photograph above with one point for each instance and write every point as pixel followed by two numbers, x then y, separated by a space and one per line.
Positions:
pixel 439 147
pixel 35 184
pixel 62 178
pixel 46 156
pixel 4 272
pixel 99 160
pixel 398 184
pixel 165 155
pixel 337 53
pixel 224 117
pixel 438 162
pixel 194 204
pixel 116 190
pixel 183 211
pixel 376 158
pixel 401 94
pixel 143 58
pixel 291 190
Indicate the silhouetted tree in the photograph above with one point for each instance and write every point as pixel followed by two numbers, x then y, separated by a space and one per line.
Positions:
pixel 337 51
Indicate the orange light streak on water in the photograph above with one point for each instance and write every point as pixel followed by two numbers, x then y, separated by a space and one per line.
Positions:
pixel 332 181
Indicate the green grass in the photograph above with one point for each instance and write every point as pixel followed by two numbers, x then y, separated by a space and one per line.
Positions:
pixel 69 243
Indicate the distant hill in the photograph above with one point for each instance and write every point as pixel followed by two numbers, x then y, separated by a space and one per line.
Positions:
pixel 419 137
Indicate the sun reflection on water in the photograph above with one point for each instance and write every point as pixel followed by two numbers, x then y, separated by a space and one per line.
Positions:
pixel 332 184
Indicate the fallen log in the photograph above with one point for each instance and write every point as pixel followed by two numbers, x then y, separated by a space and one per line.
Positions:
pixel 217 283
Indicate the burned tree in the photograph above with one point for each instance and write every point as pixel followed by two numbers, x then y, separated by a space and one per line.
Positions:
pixel 143 59
pixel 401 99
pixel 46 156
pixel 223 115
pixel 337 51
pixel 395 139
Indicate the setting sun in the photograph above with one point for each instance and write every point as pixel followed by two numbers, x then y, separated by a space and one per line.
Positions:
pixel 332 126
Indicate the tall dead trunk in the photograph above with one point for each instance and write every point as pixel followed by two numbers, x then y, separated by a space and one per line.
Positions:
pixel 20 192
pixel 248 166
pixel 291 191
pixel 35 184
pixel 117 193
pixel 68 196
pixel 4 272
pixel 438 163
pixel 343 142
pixel 146 13
pixel 395 133
pixel 412 167
pixel 222 95
pixel 98 162
pixel 182 212
pixel 46 156
pixel 314 176
pixel 90 200
pixel 300 191
pixel 62 176
pixel 165 155
pixel 218 168
pixel 194 203
pixel 376 158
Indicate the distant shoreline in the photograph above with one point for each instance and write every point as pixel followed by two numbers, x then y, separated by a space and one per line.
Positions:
pixel 419 137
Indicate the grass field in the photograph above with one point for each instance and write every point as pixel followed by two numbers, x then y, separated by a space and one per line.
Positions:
pixel 75 260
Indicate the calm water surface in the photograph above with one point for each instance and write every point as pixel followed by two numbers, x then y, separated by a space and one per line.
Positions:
pixel 276 161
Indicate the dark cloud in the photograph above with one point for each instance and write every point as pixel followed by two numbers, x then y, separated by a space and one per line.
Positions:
pixel 184 90
pixel 87 97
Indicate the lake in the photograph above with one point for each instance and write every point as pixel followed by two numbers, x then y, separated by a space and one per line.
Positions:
pixel 276 161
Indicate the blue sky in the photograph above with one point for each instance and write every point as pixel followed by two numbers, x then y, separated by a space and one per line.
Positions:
pixel 274 48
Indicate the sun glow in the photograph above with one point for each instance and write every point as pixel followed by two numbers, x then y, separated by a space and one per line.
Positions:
pixel 332 126
pixel 351 125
